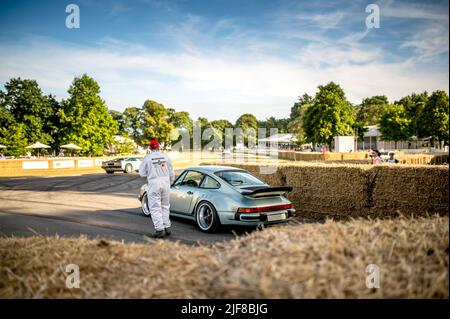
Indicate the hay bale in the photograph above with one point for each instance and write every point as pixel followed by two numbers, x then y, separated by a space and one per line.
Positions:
pixel 341 191
pixel 439 160
pixel 410 189
pixel 322 191
pixel 355 156
pixel 303 261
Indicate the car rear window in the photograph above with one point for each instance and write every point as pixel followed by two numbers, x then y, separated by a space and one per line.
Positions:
pixel 239 178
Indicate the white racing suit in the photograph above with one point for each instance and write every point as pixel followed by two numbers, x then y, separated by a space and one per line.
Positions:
pixel 158 169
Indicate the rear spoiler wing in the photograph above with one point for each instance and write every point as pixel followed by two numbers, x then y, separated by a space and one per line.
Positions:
pixel 267 191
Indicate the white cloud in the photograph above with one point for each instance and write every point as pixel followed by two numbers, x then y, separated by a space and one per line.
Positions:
pixel 411 10
pixel 429 43
pixel 323 21
pixel 242 71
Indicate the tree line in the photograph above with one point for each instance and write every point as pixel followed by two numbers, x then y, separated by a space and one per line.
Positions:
pixel 328 114
pixel 27 116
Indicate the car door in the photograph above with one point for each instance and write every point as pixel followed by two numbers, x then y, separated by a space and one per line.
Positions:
pixel 136 162
pixel 184 191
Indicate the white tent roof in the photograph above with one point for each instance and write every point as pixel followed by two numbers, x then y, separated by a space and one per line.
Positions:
pixel 71 146
pixel 372 131
pixel 38 145
pixel 280 138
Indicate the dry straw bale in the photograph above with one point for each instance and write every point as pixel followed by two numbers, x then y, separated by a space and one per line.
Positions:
pixel 302 261
pixel 409 189
pixel 321 191
pixel 439 160
pixel 340 191
pixel 35 268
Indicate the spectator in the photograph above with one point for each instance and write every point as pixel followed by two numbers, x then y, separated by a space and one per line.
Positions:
pixel 392 158
pixel 375 155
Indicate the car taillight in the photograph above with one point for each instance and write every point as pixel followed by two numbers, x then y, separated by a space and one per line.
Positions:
pixel 264 209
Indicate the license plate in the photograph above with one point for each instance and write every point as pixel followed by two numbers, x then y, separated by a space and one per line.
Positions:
pixel 274 217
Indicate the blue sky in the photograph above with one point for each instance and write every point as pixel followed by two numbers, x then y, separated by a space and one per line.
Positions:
pixel 219 59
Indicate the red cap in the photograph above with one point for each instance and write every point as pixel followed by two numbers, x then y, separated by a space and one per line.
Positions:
pixel 154 144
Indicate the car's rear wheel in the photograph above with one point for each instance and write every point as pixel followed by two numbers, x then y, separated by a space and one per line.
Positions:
pixel 128 168
pixel 144 205
pixel 109 172
pixel 206 217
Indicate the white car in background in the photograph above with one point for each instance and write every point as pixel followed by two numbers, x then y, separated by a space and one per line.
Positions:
pixel 123 164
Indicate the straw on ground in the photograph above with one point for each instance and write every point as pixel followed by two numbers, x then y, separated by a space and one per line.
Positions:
pixel 302 261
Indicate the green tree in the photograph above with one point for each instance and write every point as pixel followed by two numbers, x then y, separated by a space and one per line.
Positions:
pixel 329 115
pixel 203 124
pixel 23 103
pixel 85 119
pixel 180 120
pixel 126 147
pixel 394 123
pixel 119 117
pixel 219 127
pixel 295 125
pixel 132 123
pixel 13 137
pixel 272 122
pixel 122 146
pixel 155 123
pixel 414 105
pixel 245 122
pixel 52 123
pixel 434 119
pixel 6 118
pixel 298 108
pixel 369 111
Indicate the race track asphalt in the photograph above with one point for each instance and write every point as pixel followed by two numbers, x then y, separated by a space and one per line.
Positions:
pixel 95 205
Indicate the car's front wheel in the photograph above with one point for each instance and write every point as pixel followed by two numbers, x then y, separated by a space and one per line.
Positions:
pixel 144 205
pixel 206 217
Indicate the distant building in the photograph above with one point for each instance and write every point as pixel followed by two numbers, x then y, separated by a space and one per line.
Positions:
pixel 373 140
pixel 284 140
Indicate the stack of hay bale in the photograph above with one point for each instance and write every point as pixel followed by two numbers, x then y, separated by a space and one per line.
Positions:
pixel 341 191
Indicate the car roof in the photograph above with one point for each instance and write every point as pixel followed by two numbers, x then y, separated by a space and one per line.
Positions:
pixel 211 169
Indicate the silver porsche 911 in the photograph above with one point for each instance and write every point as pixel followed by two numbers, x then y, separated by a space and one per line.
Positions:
pixel 220 195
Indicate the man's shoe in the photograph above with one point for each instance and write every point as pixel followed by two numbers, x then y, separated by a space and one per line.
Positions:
pixel 159 234
pixel 168 231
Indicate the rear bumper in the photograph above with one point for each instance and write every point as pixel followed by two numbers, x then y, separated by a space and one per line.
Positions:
pixel 112 168
pixel 230 218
